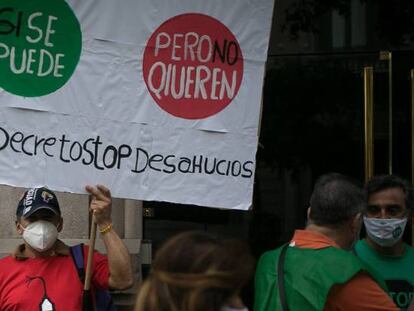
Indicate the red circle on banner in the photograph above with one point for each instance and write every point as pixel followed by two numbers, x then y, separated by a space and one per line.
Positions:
pixel 193 66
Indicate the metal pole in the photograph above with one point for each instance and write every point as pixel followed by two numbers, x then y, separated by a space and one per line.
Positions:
pixel 390 112
pixel 368 121
pixel 387 55
pixel 412 147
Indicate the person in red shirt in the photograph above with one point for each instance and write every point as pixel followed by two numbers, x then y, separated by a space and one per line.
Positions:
pixel 41 274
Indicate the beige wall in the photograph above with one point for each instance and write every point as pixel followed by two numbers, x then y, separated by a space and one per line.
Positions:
pixel 126 215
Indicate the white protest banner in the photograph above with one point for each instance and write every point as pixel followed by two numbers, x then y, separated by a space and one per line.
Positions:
pixel 157 99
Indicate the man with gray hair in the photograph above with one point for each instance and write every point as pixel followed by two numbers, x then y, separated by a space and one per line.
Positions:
pixel 315 271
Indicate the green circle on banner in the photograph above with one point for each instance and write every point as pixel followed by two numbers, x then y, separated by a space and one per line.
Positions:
pixel 40 46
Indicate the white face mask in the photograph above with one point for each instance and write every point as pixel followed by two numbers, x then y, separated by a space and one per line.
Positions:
pixel 385 232
pixel 40 235
pixel 227 308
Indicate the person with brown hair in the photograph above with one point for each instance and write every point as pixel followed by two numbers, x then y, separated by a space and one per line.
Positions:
pixel 194 271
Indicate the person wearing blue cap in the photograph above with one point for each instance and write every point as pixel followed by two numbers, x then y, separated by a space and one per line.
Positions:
pixel 41 274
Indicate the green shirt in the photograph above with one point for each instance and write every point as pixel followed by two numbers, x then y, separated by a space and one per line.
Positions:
pixel 309 275
pixel 398 272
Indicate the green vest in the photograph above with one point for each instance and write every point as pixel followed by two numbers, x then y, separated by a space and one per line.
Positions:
pixel 309 275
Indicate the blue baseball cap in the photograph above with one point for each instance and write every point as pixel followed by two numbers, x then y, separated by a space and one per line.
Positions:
pixel 35 199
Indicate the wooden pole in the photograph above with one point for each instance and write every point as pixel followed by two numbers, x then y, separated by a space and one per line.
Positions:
pixel 92 239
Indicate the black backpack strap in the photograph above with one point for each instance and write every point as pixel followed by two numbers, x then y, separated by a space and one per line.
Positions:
pixel 281 278
pixel 78 259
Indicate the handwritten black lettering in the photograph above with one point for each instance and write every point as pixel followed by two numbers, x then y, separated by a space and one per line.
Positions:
pixel 211 171
pixel 51 141
pixel 113 157
pixel 63 140
pixel 218 167
pixel 16 138
pixel 6 140
pixel 184 165
pixel 197 165
pixel 89 152
pixel 97 142
pixel 169 165
pixel 78 149
pixel 38 141
pixel 24 144
pixel 154 159
pixel 95 152
pixel 236 168
pixel 247 169
pixel 136 168
pixel 124 152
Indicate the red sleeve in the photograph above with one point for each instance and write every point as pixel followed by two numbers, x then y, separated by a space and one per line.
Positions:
pixel 360 293
pixel 100 273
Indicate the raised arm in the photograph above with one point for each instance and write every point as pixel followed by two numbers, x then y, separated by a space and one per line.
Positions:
pixel 120 268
